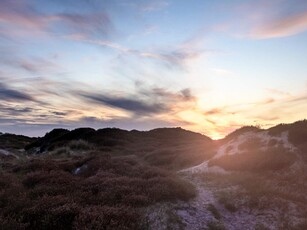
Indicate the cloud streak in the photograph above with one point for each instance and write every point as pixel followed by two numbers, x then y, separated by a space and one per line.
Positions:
pixel 145 102
pixel 147 6
pixel 9 94
pixel 282 27
pixel 177 57
pixel 21 18
pixel 133 105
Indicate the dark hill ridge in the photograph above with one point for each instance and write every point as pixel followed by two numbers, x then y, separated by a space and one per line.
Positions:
pixel 167 147
pixel 14 142
pixel 105 136
pixel 242 130
pixel 297 135
pixel 297 132
pixel 281 147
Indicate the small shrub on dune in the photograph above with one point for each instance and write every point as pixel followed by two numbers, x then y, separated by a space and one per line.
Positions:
pixel 107 194
pixel 105 217
pixel 36 165
pixel 274 158
pixel 51 212
pixel 8 223
pixel 163 189
pixel 179 157
pixel 215 225
pixel 80 145
pixel 215 212
pixel 251 144
pixel 61 151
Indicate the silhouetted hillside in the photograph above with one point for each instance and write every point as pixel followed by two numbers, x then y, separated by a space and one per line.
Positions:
pixel 12 141
pixel 254 149
pixel 167 147
pixel 239 132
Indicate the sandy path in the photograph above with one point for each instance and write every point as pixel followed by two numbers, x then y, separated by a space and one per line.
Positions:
pixel 194 215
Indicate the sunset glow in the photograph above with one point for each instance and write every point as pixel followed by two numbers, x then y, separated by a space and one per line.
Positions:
pixel 206 66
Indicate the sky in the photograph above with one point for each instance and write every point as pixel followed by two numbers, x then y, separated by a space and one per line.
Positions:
pixel 207 66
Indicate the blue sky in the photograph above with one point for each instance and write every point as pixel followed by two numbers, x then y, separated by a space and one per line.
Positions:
pixel 208 66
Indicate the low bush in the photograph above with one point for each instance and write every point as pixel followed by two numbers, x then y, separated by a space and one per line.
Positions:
pixel 215 212
pixel 226 198
pixel 80 145
pixel 251 144
pixel 274 158
pixel 106 193
pixel 260 190
pixel 215 225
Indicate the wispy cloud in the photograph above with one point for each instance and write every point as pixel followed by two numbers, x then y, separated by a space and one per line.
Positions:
pixel 37 65
pixel 146 6
pixel 174 57
pixel 10 94
pixel 281 27
pixel 277 92
pixel 21 18
pixel 88 23
pixel 133 105
pixel 144 102
pixel 265 19
pixel 154 6
pixel 215 111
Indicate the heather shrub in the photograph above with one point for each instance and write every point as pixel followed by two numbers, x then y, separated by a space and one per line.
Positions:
pixel 61 151
pixel 261 190
pixel 8 223
pixel 274 158
pixel 215 212
pixel 80 145
pixel 215 225
pixel 106 193
pixel 298 133
pixel 251 144
pixel 105 217
pixel 180 156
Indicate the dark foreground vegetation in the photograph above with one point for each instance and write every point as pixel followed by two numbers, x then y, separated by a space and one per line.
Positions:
pixel 110 178
pixel 279 196
pixel 95 191
pixel 274 158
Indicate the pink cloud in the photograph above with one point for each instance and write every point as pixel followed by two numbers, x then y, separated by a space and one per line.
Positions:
pixel 21 19
pixel 282 27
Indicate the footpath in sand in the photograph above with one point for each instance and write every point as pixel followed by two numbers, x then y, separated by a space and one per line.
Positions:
pixel 197 213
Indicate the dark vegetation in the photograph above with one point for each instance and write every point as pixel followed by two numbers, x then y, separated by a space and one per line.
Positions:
pixel 239 132
pixel 215 225
pixel 255 160
pixel 170 148
pixel 106 178
pixel 215 212
pixel 297 135
pixel 13 142
pixel 94 191
pixel 264 191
